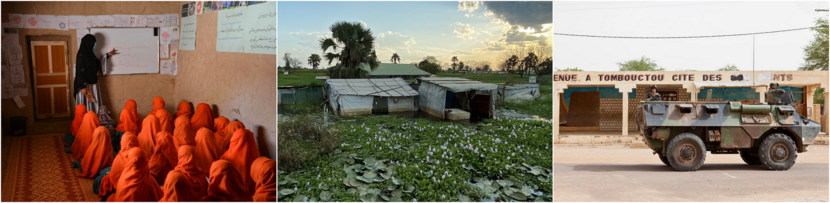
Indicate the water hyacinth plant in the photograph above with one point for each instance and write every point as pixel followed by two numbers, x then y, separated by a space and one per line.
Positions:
pixel 382 158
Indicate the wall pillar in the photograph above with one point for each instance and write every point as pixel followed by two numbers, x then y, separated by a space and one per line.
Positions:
pixel 808 93
pixel 826 121
pixel 692 90
pixel 763 93
pixel 625 89
pixel 557 89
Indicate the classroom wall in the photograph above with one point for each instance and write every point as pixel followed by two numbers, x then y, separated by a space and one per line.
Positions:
pixel 115 89
pixel 238 86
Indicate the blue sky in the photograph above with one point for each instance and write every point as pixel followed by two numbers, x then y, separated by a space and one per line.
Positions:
pixel 469 30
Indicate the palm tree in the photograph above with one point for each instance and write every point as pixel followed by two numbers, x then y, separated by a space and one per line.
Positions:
pixel 314 61
pixel 395 58
pixel 355 43
pixel 454 63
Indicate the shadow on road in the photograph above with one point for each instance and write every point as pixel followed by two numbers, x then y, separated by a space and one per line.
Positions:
pixel 661 167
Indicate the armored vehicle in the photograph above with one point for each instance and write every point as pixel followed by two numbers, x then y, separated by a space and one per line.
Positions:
pixel 681 132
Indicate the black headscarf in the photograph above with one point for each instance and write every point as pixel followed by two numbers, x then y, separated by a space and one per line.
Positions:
pixel 87 64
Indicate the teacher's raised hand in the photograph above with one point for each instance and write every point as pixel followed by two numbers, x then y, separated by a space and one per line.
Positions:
pixel 113 52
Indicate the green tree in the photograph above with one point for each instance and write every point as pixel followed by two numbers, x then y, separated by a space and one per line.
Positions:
pixel 815 54
pixel 454 63
pixel 528 63
pixel 818 96
pixel 644 64
pixel 569 69
pixel 314 61
pixel 460 66
pixel 395 58
pixel 287 59
pixel 486 68
pixel 355 43
pixel 545 67
pixel 729 67
pixel 510 63
pixel 430 65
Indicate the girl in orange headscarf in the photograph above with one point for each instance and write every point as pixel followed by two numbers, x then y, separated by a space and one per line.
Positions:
pixel 264 173
pixel 187 182
pixel 165 121
pixel 110 181
pixel 129 121
pixel 221 126
pixel 226 184
pixel 183 134
pixel 147 136
pixel 158 103
pixel 203 117
pixel 98 155
pixel 205 150
pixel 164 158
pixel 136 184
pixel 185 109
pixel 242 153
pixel 80 111
pixel 83 138
pixel 226 142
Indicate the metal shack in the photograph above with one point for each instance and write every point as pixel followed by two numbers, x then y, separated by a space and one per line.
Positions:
pixel 518 92
pixel 438 95
pixel 349 97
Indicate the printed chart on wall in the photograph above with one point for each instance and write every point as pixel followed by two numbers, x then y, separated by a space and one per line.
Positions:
pixel 251 29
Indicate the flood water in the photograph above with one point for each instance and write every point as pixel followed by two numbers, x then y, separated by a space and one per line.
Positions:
pixel 328 115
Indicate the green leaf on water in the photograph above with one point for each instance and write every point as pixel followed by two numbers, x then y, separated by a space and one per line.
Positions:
pixel 370 175
pixel 395 199
pixel 505 183
pixel 357 146
pixel 464 198
pixel 351 191
pixel 323 186
pixel 299 198
pixel 286 192
pixel 396 147
pixel 325 195
pixel 518 196
pixel 397 181
pixel 370 161
pixel 313 199
pixel 397 193
pixel 385 197
pixel 392 187
pixel 409 188
pixel 525 191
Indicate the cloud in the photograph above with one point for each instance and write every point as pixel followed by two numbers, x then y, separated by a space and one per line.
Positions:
pixel 468 6
pixel 364 24
pixel 487 33
pixel 387 43
pixel 468 15
pixel 497 45
pixel 525 14
pixel 459 52
pixel 464 31
pixel 488 13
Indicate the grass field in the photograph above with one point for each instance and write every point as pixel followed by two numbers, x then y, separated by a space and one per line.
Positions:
pixel 300 78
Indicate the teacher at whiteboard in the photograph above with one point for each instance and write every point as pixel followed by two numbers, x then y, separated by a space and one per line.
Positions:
pixel 87 67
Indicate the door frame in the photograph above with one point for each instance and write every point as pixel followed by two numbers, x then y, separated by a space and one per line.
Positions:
pixel 70 48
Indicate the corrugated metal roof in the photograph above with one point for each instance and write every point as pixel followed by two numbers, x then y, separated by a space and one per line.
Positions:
pixel 455 84
pixel 386 87
pixel 394 69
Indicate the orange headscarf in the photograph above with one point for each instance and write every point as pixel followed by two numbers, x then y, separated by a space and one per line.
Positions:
pixel 242 153
pixel 203 117
pixel 176 188
pixel 136 184
pixel 164 156
pixel 147 136
pixel 110 181
pixel 98 155
pixel 264 173
pixel 184 109
pixel 158 103
pixel 165 121
pixel 183 134
pixel 129 120
pixel 226 142
pixel 83 138
pixel 206 151
pixel 80 110
pixel 226 183
pixel 220 125
pixel 197 185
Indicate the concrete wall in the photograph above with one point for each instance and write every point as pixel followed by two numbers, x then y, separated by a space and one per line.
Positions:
pixel 238 86
pixel 115 89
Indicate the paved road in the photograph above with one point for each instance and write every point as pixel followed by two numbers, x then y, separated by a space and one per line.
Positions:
pixel 624 174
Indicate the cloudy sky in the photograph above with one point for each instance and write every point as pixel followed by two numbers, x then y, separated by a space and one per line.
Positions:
pixel 470 30
pixel 778 51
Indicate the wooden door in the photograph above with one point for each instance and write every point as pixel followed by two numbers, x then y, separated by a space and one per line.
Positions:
pixel 51 79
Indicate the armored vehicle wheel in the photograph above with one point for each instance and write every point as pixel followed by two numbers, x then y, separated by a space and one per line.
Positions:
pixel 778 152
pixel 749 158
pixel 686 152
pixel 664 159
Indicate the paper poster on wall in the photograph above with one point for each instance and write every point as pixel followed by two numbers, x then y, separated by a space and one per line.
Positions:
pixel 154 20
pixel 17 20
pixel 199 7
pixel 7 20
pixel 230 27
pixel 46 21
pixel 185 9
pixel 174 51
pixel 21 89
pixel 29 21
pixel 171 19
pixel 106 21
pixel 168 34
pixel 164 51
pixel 261 30
pixel 138 21
pixel 15 54
pixel 191 10
pixel 187 34
pixel 62 22
pixel 4 71
pixel 121 20
pixel 207 8
pixel 91 21
pixel 77 22
pixel 16 74
pixel 168 67
pixel 10 39
pixel 7 91
pixel 80 34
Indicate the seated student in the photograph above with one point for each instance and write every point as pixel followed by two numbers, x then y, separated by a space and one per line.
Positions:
pixel 147 136
pixel 226 184
pixel 158 103
pixel 203 117
pixel 84 136
pixel 187 182
pixel 129 121
pixel 165 121
pixel 164 158
pixel 264 173
pixel 98 155
pixel 220 125
pixel 225 143
pixel 242 153
pixel 110 181
pixel 185 109
pixel 205 150
pixel 183 134
pixel 136 184
pixel 80 111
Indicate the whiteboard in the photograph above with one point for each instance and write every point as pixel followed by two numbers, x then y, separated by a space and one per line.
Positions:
pixel 138 49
